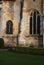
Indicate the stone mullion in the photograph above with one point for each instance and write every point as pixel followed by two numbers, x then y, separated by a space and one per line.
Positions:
pixel 33 23
pixel 36 22
pixel 0 19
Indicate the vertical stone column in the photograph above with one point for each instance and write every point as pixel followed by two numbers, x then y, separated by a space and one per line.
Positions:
pixel 43 23
pixel 24 26
pixel 23 29
pixel 0 19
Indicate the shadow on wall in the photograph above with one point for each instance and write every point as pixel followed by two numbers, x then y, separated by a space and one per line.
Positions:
pixel 1 43
pixel 40 41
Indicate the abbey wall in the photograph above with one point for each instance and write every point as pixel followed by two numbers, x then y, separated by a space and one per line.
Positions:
pixel 10 11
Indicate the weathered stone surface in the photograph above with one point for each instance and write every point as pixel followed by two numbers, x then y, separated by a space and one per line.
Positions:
pixel 11 11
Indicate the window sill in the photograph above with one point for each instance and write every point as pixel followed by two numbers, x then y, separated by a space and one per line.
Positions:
pixel 34 35
pixel 9 36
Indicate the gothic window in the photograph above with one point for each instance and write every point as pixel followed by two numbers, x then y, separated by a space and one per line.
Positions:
pixel 9 27
pixel 35 22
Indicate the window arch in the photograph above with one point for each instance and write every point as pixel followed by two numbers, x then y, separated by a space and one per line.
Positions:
pixel 35 22
pixel 9 27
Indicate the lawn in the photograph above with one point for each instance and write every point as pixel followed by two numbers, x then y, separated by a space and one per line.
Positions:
pixel 12 58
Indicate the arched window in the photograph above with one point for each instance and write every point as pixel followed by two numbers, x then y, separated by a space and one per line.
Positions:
pixel 35 22
pixel 9 27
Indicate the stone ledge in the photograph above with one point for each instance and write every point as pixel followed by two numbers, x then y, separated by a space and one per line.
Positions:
pixel 34 35
pixel 9 36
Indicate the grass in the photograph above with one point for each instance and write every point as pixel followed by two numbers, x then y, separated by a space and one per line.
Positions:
pixel 11 58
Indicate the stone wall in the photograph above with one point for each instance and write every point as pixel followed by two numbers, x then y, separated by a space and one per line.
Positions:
pixel 25 38
pixel 11 11
pixel 43 23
